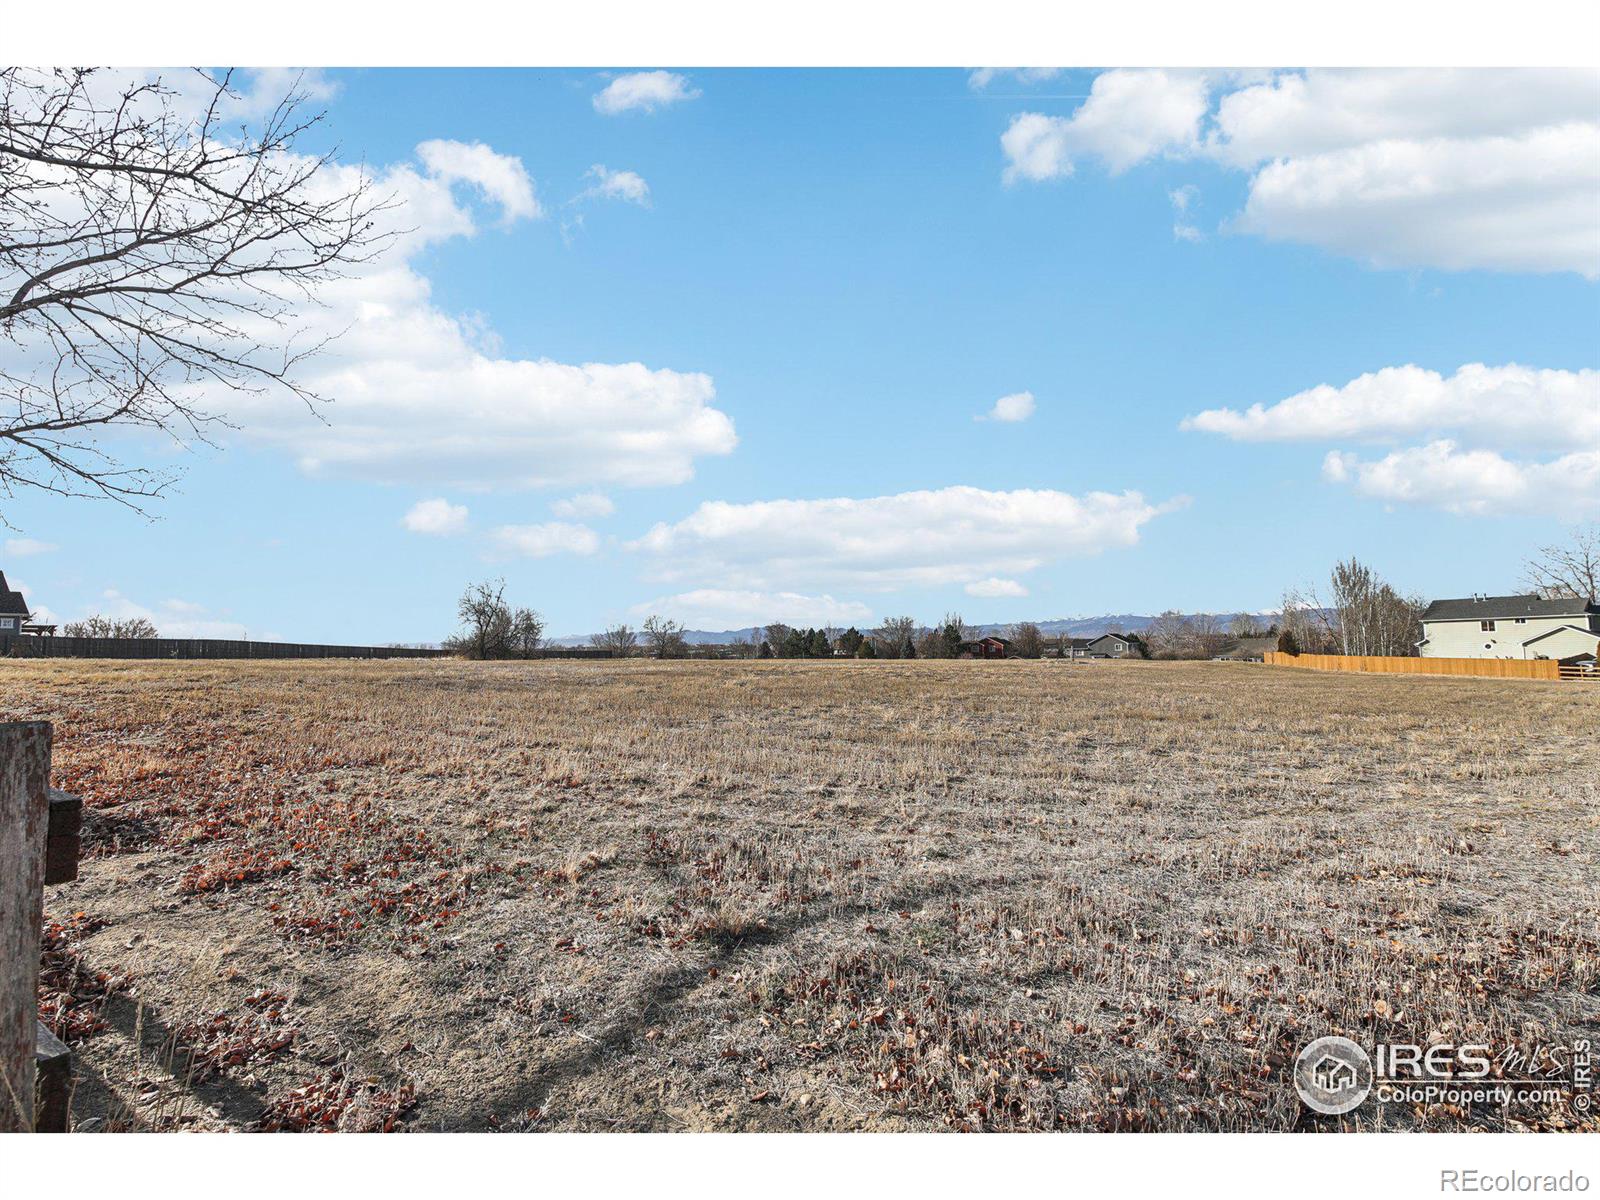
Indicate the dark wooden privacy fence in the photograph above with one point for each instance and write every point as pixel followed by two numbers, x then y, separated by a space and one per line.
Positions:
pixel 29 646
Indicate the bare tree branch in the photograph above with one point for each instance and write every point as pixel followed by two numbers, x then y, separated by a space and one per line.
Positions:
pixel 151 255
pixel 1569 569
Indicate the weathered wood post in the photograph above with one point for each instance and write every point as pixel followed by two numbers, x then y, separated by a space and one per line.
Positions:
pixel 24 820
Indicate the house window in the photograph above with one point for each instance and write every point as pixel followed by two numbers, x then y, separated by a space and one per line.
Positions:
pixel 7 623
pixel 1486 626
pixel 1522 620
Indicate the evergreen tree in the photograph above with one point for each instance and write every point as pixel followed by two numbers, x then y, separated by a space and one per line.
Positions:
pixel 950 640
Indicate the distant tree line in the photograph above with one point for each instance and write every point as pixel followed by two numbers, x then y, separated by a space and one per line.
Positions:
pixel 1358 612
pixel 98 626
pixel 1355 611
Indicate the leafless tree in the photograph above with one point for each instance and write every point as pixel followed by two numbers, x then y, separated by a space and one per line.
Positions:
pixel 619 639
pixel 527 632
pixel 1168 635
pixel 1307 622
pixel 1026 640
pixel 486 622
pixel 1207 638
pixel 665 637
pixel 1362 615
pixel 894 635
pixel 1244 625
pixel 111 627
pixel 1176 635
pixel 155 244
pixel 1370 617
pixel 1570 568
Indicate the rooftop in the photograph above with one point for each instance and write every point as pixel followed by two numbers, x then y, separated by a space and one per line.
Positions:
pixel 1480 608
pixel 11 603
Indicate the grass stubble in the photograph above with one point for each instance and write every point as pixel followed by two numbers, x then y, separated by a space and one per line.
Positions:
pixel 803 896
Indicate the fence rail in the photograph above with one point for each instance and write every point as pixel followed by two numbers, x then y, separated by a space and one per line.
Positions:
pixel 1496 668
pixel 30 646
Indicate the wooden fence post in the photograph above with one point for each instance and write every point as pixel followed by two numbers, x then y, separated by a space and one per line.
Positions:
pixel 24 818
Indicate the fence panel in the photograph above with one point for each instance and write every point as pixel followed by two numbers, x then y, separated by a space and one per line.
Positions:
pixel 24 821
pixel 1494 668
pixel 29 646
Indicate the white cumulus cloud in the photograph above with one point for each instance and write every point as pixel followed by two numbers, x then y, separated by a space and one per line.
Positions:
pixel 1130 116
pixel 731 608
pixel 1477 482
pixel 616 185
pixel 1525 203
pixel 1432 167
pixel 643 90
pixel 994 588
pixel 955 535
pixel 1480 426
pixel 22 547
pixel 543 540
pixel 583 505
pixel 177 618
pixel 501 178
pixel 419 395
pixel 1018 406
pixel 435 517
pixel 1511 404
pixel 982 77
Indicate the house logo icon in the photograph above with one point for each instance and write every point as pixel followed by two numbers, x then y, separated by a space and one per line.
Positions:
pixel 1333 1075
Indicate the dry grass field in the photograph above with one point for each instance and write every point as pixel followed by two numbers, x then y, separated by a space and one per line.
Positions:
pixel 803 896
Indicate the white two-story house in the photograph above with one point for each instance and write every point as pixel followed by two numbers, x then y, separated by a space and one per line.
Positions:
pixel 1511 627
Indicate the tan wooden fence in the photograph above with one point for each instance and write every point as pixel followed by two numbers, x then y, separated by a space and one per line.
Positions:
pixel 1496 668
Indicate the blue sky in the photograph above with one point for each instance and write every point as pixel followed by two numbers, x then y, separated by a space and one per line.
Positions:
pixel 828 278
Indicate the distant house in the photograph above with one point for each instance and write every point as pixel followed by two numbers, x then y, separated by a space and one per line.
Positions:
pixel 1511 627
pixel 1246 649
pixel 13 609
pixel 1117 645
pixel 1076 647
pixel 985 647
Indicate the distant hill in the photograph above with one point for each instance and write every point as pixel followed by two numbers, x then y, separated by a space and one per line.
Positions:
pixel 1070 626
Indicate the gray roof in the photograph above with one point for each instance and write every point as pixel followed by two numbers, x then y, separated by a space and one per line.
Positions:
pixel 11 603
pixel 1505 608
pixel 1249 645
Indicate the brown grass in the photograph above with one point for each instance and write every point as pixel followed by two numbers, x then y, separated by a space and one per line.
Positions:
pixel 807 896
